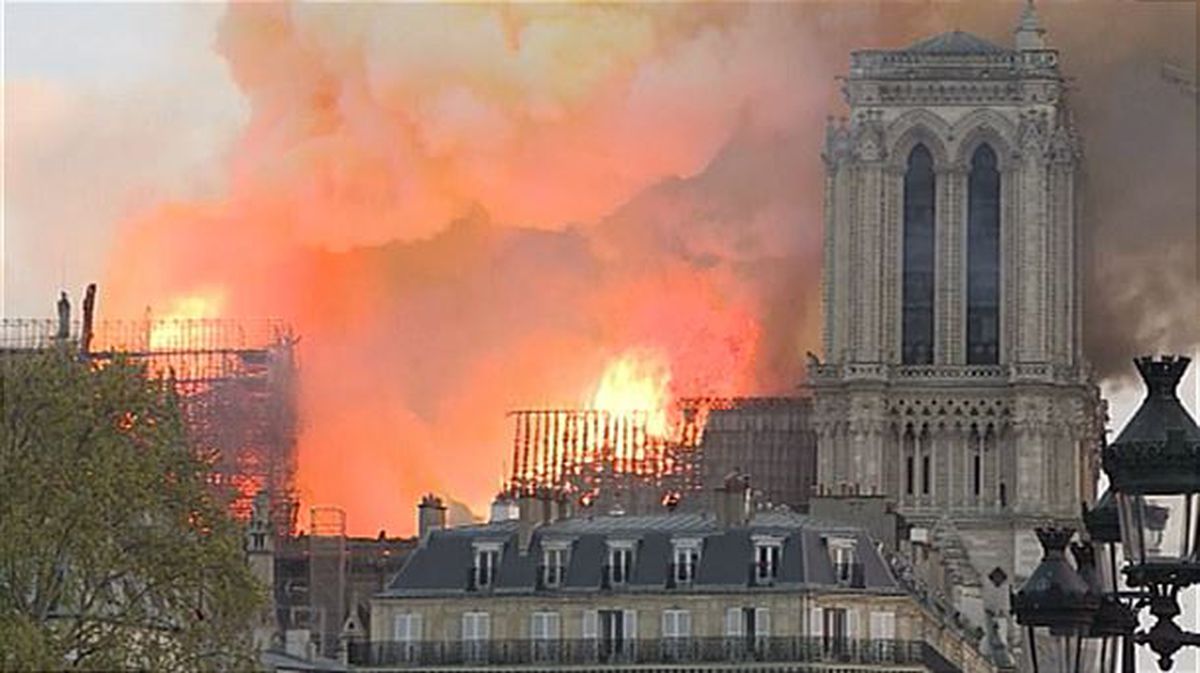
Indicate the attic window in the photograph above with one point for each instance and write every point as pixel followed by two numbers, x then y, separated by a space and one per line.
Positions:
pixel 620 561
pixel 554 563
pixel 768 552
pixel 846 568
pixel 686 557
pixel 487 560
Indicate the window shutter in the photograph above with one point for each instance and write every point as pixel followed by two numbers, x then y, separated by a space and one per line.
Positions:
pixel 591 621
pixel 630 620
pixel 816 622
pixel 762 622
pixel 733 622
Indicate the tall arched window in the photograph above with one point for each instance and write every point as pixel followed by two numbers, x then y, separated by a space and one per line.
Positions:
pixel 983 259
pixel 916 345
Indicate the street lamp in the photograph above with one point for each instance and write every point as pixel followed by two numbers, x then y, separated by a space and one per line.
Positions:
pixel 1152 508
pixel 1057 598
pixel 1154 469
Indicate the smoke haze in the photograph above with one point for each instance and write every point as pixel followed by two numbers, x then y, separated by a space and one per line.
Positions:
pixel 467 209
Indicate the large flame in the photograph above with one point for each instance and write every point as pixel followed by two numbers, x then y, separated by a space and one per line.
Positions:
pixel 637 382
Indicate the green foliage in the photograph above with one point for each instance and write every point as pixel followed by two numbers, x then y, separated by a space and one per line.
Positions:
pixel 115 552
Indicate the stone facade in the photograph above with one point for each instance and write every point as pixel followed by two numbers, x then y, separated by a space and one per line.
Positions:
pixel 510 619
pixel 973 455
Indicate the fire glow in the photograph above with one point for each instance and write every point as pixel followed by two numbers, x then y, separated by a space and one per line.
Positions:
pixel 524 225
pixel 637 383
pixel 168 331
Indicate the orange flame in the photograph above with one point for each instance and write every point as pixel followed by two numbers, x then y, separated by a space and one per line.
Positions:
pixel 637 381
pixel 168 332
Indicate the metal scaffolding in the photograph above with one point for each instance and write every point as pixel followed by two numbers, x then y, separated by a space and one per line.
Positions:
pixel 236 384
pixel 613 459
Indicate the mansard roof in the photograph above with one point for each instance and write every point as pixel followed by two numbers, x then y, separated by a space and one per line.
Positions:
pixel 955 42
pixel 443 564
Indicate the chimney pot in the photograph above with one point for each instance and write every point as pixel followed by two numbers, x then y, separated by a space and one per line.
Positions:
pixel 431 515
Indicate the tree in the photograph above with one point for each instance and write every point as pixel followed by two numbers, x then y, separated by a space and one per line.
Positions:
pixel 115 551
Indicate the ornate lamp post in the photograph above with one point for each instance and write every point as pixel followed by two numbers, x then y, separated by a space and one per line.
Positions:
pixel 1153 510
pixel 1115 619
pixel 1154 468
pixel 1057 599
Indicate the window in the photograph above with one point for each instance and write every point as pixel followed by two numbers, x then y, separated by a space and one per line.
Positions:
pixel 406 631
pixel 926 477
pixel 476 632
pixel 910 448
pixel 676 630
pixel 918 267
pixel 620 563
pixel 613 633
pixel 767 553
pixel 554 566
pixel 983 259
pixel 487 560
pixel 835 627
pixel 846 569
pixel 544 626
pixel 883 634
pixel 544 632
pixel 676 624
pixel 686 558
pixel 747 630
pixel 976 474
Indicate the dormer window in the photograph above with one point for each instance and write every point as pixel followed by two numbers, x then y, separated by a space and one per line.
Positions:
pixel 768 552
pixel 620 562
pixel 846 569
pixel 487 560
pixel 685 558
pixel 554 563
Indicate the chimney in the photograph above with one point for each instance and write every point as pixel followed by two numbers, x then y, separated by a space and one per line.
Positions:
pixel 733 500
pixel 503 508
pixel 431 516
pixel 529 516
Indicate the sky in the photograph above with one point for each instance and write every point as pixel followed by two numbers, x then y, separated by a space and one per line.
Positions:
pixel 468 209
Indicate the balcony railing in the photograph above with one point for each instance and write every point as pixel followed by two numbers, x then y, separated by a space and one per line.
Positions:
pixel 640 651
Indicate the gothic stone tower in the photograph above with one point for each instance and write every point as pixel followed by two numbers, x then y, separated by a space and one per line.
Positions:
pixel 953 380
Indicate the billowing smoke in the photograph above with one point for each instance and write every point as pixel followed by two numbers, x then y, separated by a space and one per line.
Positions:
pixel 467 209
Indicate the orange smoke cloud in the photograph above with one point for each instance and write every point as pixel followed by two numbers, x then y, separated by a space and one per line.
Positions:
pixel 464 209
pixel 443 201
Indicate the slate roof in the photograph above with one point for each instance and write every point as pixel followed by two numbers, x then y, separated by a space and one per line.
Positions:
pixel 443 565
pixel 955 42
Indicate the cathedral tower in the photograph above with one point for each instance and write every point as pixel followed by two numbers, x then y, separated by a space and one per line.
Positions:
pixel 953 379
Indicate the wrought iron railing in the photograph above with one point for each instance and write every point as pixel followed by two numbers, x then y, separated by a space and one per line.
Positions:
pixel 640 651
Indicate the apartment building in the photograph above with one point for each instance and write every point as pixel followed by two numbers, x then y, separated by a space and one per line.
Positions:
pixel 774 590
